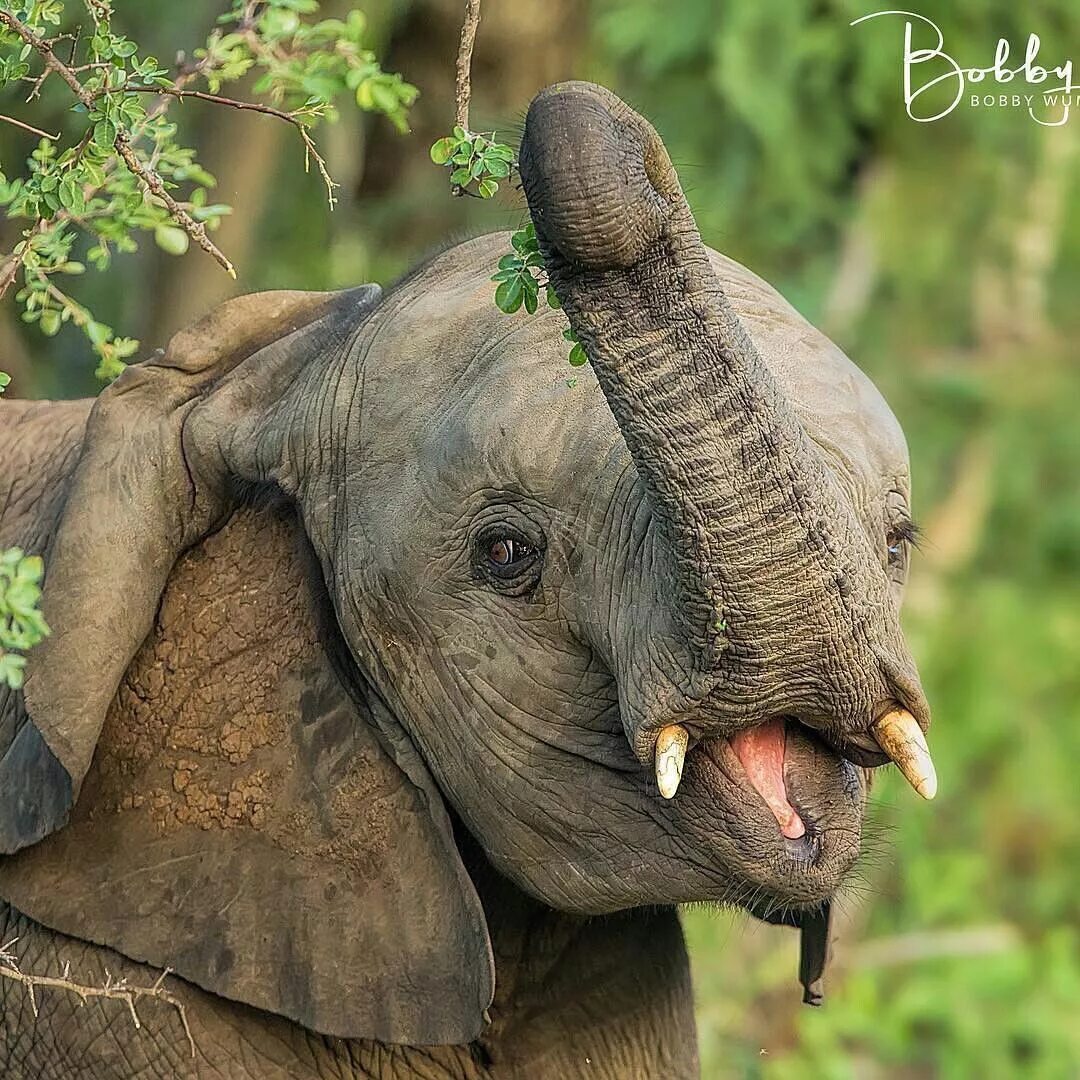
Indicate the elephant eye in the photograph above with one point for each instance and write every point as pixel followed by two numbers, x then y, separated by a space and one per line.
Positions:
pixel 508 560
pixel 506 551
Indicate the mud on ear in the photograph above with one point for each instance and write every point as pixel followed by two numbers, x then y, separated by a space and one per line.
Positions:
pixel 143 491
pixel 240 821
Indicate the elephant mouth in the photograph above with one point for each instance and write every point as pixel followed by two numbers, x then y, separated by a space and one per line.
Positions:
pixel 789 805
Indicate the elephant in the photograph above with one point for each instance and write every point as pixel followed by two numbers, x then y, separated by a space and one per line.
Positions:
pixel 403 681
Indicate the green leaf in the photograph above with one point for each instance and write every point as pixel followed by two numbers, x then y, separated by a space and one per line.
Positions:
pixel 5 381
pixel 487 188
pixel 552 300
pixel 508 296
pixel 577 357
pixel 442 150
pixel 70 194
pixel 384 98
pixel 104 133
pixel 50 322
pixel 11 669
pixel 171 239
pixel 461 177
pixel 97 332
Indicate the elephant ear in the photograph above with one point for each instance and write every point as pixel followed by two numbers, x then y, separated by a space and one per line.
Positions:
pixel 231 810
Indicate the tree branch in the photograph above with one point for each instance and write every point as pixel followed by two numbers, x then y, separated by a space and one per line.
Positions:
pixel 463 86
pixel 27 127
pixel 122 144
pixel 111 991
pixel 310 150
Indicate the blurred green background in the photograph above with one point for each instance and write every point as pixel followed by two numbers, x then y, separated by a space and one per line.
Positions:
pixel 945 258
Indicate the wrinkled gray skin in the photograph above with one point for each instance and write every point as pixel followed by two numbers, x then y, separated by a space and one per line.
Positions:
pixel 712 504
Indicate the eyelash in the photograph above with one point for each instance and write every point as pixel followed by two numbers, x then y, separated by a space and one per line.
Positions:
pixel 904 533
pixel 907 531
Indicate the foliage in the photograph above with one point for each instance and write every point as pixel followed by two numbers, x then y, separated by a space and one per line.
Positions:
pixel 21 624
pixel 521 276
pixel 473 159
pixel 120 170
pixel 308 65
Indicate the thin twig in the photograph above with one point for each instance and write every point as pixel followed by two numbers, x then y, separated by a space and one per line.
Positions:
pixel 27 127
pixel 150 179
pixel 9 270
pixel 11 265
pixel 156 186
pixel 111 991
pixel 310 150
pixel 463 86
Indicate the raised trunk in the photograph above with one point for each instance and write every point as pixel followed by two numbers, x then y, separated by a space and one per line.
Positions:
pixel 772 566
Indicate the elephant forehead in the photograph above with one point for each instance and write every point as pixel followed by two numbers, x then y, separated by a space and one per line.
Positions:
pixel 471 398
pixel 528 420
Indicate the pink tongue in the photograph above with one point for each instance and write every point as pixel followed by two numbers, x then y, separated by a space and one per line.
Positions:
pixel 761 751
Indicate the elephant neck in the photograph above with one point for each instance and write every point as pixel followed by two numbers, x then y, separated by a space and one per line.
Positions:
pixel 572 985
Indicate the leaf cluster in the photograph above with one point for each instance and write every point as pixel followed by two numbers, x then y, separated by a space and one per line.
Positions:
pixel 21 623
pixel 521 276
pixel 306 66
pixel 474 160
pixel 79 194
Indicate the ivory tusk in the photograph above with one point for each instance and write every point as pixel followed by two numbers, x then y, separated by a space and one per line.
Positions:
pixel 670 754
pixel 899 735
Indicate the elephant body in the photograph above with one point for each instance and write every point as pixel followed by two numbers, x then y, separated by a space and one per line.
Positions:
pixel 221 678
pixel 402 681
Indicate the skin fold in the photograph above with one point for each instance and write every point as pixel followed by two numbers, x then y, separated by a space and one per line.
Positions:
pixel 367 611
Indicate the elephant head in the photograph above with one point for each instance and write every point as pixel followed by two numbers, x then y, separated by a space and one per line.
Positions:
pixel 558 599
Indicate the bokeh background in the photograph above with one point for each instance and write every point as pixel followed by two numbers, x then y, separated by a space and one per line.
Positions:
pixel 945 259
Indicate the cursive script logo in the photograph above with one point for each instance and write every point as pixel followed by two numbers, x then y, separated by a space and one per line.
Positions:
pixel 930 67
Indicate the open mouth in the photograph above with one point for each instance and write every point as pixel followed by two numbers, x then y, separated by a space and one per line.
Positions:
pixel 760 751
pixel 782 788
pixel 787 786
pixel 788 796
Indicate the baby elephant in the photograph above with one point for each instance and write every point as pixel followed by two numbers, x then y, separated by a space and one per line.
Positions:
pixel 403 679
